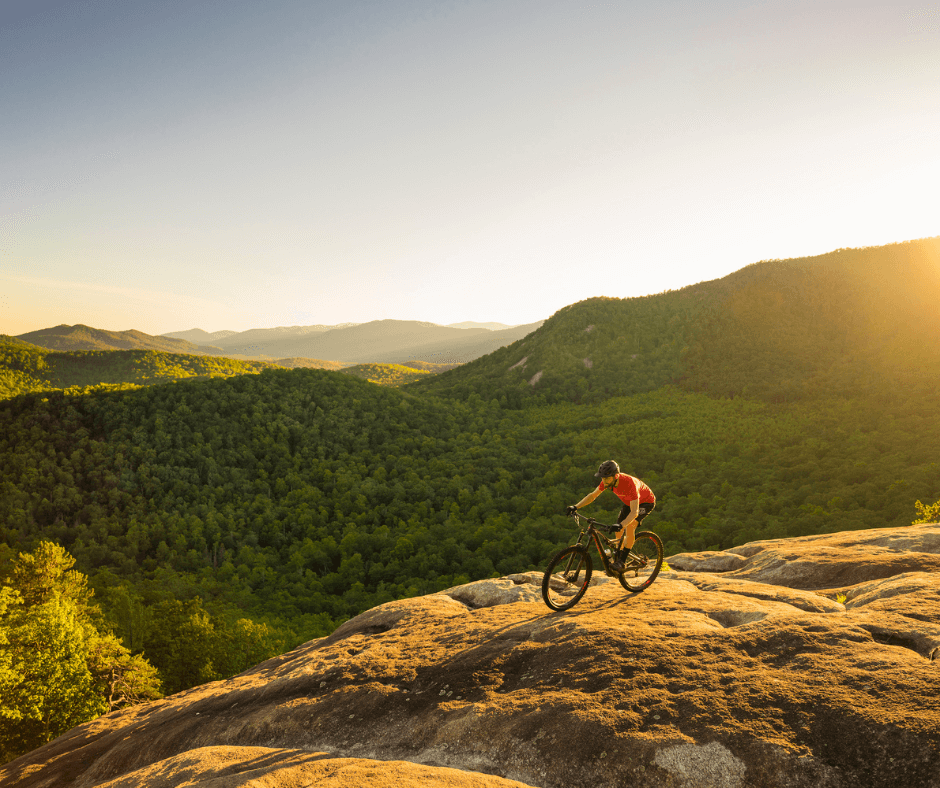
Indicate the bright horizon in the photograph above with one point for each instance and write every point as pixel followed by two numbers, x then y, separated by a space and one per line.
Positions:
pixel 229 165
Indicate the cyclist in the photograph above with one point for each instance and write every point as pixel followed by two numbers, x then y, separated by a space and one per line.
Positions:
pixel 638 501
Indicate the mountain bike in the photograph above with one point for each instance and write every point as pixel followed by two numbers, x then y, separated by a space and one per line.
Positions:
pixel 569 573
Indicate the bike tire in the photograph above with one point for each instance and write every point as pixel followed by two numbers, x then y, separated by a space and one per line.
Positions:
pixel 649 547
pixel 567 578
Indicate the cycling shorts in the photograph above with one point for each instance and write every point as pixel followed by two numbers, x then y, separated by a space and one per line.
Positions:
pixel 643 510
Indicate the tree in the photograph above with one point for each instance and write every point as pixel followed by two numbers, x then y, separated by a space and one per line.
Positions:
pixel 46 573
pixel 57 670
pixel 10 678
pixel 53 689
pixel 119 677
pixel 186 644
pixel 928 512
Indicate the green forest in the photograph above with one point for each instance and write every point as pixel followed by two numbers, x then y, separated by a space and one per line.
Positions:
pixel 234 513
pixel 24 367
pixel 387 374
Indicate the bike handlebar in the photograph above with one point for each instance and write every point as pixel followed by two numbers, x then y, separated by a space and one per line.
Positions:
pixel 591 521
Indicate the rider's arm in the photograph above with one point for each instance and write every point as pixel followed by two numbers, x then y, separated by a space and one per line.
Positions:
pixel 589 498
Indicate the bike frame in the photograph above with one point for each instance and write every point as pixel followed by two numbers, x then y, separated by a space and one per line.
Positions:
pixel 595 536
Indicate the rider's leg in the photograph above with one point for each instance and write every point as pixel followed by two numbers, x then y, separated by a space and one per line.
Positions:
pixel 630 530
pixel 626 536
pixel 629 535
pixel 627 532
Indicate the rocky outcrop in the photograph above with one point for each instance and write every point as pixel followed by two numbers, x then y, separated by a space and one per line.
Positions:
pixel 221 767
pixel 826 560
pixel 751 676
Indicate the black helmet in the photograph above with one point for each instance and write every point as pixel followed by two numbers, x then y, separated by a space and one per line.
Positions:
pixel 609 468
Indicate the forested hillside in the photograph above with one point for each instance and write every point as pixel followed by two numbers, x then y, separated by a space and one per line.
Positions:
pixel 779 330
pixel 387 374
pixel 307 363
pixel 25 368
pixel 846 323
pixel 263 509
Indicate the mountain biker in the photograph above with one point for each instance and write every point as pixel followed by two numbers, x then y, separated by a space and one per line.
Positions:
pixel 638 501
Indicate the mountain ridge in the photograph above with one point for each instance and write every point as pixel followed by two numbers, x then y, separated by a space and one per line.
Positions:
pixel 82 337
pixel 489 326
pixel 230 338
pixel 376 342
pixel 200 337
pixel 775 330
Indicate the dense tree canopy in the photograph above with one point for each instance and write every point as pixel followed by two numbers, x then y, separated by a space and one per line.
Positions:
pixel 26 368
pixel 306 496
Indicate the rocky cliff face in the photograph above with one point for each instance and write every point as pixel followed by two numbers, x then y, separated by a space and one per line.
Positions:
pixel 740 669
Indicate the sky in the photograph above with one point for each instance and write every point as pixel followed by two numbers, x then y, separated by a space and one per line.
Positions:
pixel 229 164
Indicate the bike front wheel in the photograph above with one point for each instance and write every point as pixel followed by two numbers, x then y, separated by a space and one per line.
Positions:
pixel 567 578
pixel 643 563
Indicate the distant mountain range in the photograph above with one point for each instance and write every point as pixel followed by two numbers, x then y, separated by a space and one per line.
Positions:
pixel 225 338
pixel 231 338
pixel 471 324
pixel 82 337
pixel 380 341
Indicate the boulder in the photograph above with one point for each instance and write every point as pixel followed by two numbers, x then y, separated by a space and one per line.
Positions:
pixel 498 591
pixel 704 679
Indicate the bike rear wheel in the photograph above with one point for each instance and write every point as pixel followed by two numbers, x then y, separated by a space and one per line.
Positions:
pixel 567 578
pixel 644 562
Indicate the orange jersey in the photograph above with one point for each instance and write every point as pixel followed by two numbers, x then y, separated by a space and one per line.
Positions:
pixel 628 488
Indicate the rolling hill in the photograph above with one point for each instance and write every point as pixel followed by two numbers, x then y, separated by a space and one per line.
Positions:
pixel 387 374
pixel 26 368
pixel 778 330
pixel 81 337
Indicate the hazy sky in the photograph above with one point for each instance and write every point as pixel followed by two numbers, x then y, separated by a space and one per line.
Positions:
pixel 227 164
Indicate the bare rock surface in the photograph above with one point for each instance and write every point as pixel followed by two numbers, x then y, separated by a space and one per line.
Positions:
pixel 707 679
pixel 234 767
pixel 825 560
